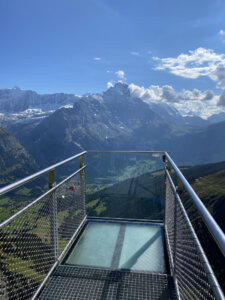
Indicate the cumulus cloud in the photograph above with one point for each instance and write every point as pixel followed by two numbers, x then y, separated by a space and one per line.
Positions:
pixel 219 76
pixel 120 74
pixel 167 93
pixel 200 62
pixel 97 58
pixel 109 84
pixel 153 93
pixel 187 102
pixel 134 53
pixel 208 96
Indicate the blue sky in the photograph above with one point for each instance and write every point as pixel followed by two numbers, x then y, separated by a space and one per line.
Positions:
pixel 79 46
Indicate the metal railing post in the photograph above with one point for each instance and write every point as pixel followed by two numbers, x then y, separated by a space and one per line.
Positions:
pixel 53 216
pixel 82 185
pixel 175 238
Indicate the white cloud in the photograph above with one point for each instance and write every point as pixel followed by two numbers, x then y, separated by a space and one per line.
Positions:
pixel 222 32
pixel 208 96
pixel 188 102
pixel 134 53
pixel 120 74
pixel 97 58
pixel 200 62
pixel 153 93
pixel 199 108
pixel 219 76
pixel 109 84
pixel 167 93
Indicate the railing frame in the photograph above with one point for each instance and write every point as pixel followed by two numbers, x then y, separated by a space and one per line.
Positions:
pixel 53 215
pixel 205 263
pixel 211 224
pixel 27 179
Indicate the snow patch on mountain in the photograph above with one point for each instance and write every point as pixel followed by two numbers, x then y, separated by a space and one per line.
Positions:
pixel 17 100
pixel 17 105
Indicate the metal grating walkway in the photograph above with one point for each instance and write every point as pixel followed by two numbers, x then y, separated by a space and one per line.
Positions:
pixel 72 282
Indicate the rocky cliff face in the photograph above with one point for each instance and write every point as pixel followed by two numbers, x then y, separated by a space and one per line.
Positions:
pixel 16 100
pixel 112 120
pixel 116 120
pixel 15 162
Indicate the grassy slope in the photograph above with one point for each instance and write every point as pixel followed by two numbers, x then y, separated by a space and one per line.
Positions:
pixel 211 189
pixel 141 197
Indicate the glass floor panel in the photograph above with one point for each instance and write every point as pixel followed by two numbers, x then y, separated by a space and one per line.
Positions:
pixel 118 245
pixel 96 245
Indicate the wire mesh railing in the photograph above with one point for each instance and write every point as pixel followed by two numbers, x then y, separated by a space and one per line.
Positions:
pixel 192 272
pixel 32 240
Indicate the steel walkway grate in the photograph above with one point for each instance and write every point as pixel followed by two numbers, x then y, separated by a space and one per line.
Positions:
pixel 72 282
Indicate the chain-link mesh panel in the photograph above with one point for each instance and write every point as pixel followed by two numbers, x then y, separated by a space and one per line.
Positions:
pixel 211 249
pixel 70 210
pixel 191 276
pixel 31 242
pixel 26 251
pixel 169 215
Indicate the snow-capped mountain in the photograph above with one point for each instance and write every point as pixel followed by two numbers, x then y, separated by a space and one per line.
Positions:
pixel 112 120
pixel 17 105
pixel 25 106
pixel 115 120
pixel 16 100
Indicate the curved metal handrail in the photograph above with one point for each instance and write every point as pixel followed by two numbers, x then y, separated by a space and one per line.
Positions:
pixel 211 224
pixel 27 179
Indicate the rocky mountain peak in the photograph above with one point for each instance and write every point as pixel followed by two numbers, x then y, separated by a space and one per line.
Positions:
pixel 119 89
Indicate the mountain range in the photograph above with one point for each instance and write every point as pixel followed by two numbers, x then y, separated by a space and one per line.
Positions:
pixel 53 127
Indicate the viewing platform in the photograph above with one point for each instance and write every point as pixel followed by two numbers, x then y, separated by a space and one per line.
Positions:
pixel 117 227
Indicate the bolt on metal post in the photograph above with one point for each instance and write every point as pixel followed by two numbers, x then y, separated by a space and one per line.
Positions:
pixel 53 216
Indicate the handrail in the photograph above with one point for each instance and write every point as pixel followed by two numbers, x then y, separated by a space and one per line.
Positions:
pixel 211 224
pixel 205 263
pixel 55 187
pixel 27 179
pixel 124 151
